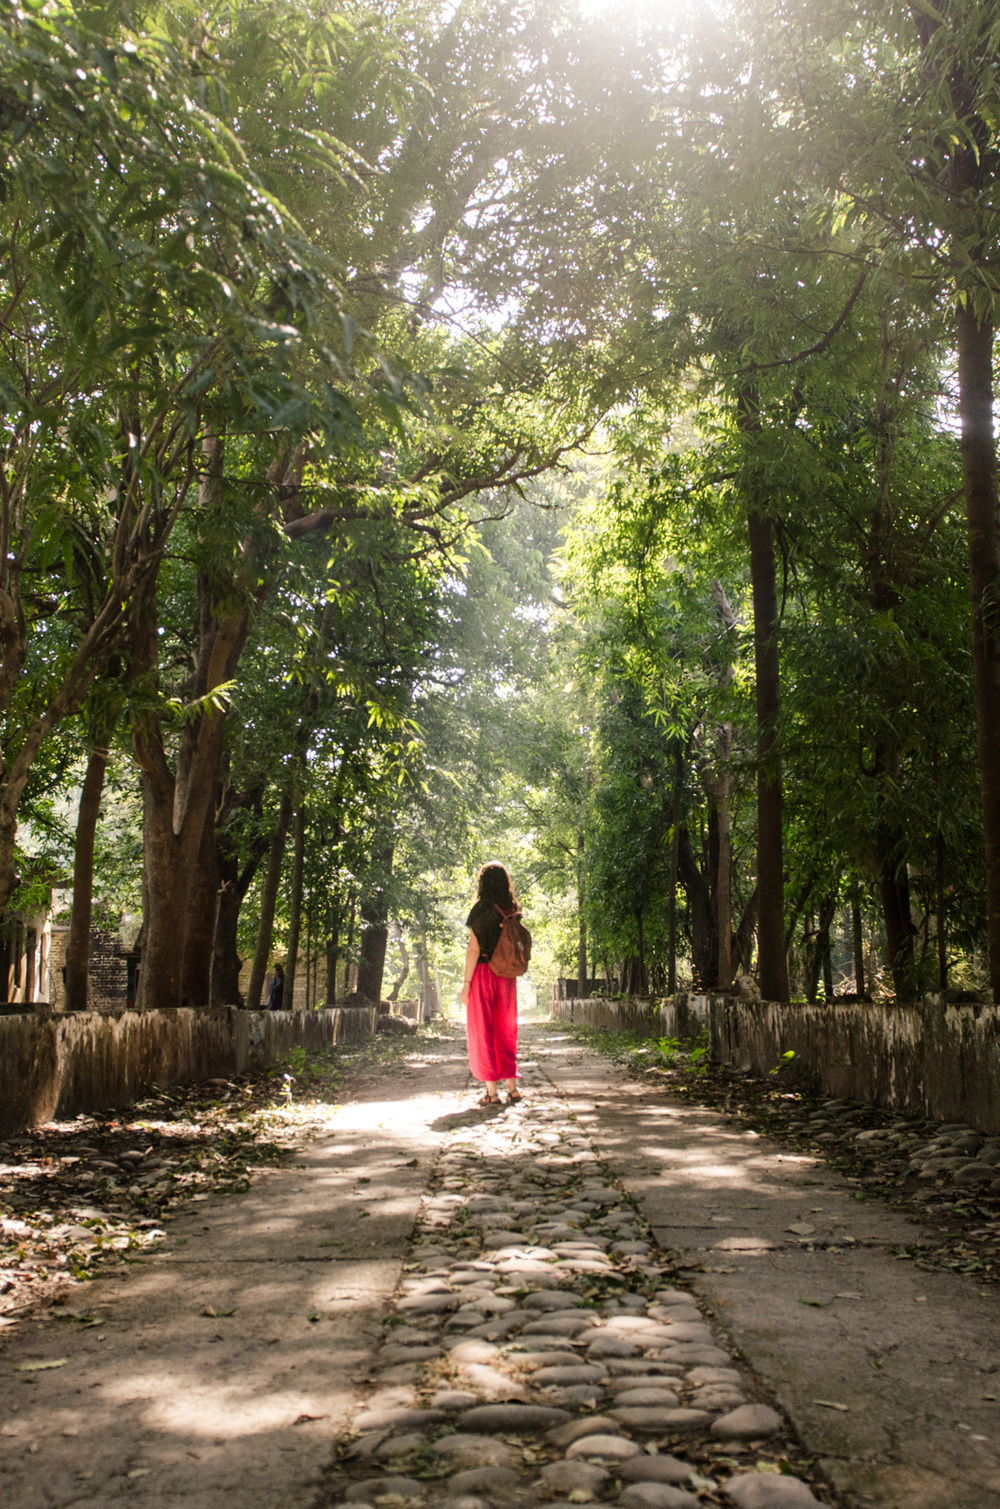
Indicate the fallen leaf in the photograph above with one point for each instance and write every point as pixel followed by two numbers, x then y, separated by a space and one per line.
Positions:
pixel 816 1304
pixel 848 1295
pixel 304 1419
pixel 832 1404
pixel 801 1228
pixel 38 1367
pixel 139 1472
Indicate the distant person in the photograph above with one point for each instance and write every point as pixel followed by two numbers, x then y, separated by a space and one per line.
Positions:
pixel 276 994
pixel 491 1001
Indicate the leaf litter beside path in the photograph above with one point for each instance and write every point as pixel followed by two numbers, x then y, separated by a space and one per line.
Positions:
pixel 964 1223
pixel 77 1196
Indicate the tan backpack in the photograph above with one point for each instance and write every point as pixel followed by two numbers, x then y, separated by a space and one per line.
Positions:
pixel 513 951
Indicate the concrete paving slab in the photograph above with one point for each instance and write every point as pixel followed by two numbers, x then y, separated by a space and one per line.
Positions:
pixel 168 1403
pixel 889 1372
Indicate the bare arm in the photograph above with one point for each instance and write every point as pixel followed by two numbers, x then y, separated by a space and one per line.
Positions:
pixel 471 960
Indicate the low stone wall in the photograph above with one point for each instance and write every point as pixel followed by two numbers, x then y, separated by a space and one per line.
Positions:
pixel 939 1058
pixel 684 1015
pixel 54 1066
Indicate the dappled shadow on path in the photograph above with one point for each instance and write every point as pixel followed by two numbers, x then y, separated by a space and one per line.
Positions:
pixel 230 1357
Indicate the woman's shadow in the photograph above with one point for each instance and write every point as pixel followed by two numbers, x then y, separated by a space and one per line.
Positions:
pixel 469 1118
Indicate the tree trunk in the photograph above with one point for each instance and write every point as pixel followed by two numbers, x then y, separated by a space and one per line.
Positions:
pixel 701 912
pixel 859 948
pixel 332 951
pixel 675 835
pixel 581 947
pixel 642 953
pixel 979 467
pixel 894 884
pixel 942 915
pixel 234 883
pixel 349 949
pixel 375 935
pixel 167 870
pixel 743 941
pixel 175 804
pixel 78 943
pixel 772 960
pixel 818 957
pixel 771 955
pixel 203 910
pixel 423 967
pixel 268 901
pixel 723 884
pixel 309 934
pixel 295 906
pixel 397 984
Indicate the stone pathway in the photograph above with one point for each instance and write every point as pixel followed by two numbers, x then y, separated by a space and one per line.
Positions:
pixel 600 1295
pixel 540 1349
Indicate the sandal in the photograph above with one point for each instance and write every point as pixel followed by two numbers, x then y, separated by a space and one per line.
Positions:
pixel 490 1100
pixel 514 1097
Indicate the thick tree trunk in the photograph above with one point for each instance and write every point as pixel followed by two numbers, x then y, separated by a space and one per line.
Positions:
pixel 268 901
pixel 295 905
pixel 78 943
pixel 226 961
pixel 203 908
pixel 374 940
pixel 175 805
pixel 581 946
pixel 167 878
pixel 375 934
pixel 979 467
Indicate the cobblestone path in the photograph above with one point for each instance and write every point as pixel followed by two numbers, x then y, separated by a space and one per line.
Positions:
pixel 602 1295
pixel 540 1349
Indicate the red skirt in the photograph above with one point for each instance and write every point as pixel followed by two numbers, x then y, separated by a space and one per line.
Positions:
pixel 491 1025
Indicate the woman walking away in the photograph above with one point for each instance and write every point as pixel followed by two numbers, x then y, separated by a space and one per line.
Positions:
pixel 491 1001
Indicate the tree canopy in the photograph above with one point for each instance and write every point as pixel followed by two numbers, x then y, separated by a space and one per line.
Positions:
pixel 434 433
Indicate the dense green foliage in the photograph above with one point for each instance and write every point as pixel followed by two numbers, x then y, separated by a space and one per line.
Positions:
pixel 406 413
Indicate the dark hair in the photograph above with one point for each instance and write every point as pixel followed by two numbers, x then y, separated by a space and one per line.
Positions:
pixel 279 969
pixel 493 885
